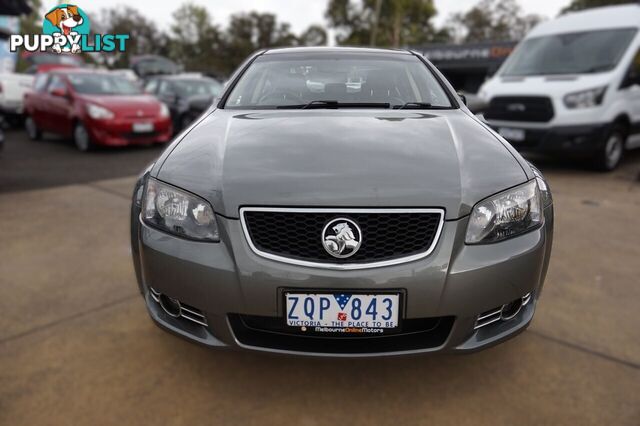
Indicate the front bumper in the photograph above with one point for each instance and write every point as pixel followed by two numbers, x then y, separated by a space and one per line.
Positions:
pixel 239 292
pixel 12 108
pixel 578 140
pixel 119 132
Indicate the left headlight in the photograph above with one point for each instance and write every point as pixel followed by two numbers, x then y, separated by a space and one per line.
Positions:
pixel 178 212
pixel 164 110
pixel 505 215
pixel 585 98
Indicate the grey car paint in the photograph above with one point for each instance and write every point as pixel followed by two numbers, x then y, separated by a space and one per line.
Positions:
pixel 338 158
pixel 403 158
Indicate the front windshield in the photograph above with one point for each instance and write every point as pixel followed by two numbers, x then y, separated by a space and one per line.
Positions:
pixel 298 80
pixel 570 53
pixel 103 84
pixel 197 87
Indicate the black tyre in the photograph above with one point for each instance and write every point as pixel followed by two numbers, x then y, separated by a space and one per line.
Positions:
pixel 610 154
pixel 32 129
pixel 81 138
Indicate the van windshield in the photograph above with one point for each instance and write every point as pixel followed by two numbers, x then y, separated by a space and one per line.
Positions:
pixel 569 53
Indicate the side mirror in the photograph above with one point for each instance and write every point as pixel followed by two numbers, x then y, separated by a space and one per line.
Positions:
pixel 170 97
pixel 463 97
pixel 632 79
pixel 59 92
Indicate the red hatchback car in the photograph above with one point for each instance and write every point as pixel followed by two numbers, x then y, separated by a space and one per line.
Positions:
pixel 95 108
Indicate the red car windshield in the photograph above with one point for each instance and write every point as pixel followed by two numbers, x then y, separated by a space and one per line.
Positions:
pixel 97 84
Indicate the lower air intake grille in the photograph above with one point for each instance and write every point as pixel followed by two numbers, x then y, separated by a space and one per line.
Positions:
pixel 271 333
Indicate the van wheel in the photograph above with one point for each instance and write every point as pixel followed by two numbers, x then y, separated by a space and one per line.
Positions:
pixel 608 157
pixel 81 138
pixel 32 129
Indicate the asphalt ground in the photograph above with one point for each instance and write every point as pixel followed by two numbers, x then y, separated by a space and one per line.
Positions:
pixel 54 161
pixel 77 346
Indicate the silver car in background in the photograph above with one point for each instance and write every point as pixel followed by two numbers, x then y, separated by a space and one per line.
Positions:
pixel 341 202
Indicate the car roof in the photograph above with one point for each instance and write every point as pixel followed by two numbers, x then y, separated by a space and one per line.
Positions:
pixel 334 49
pixel 73 70
pixel 600 18
pixel 182 77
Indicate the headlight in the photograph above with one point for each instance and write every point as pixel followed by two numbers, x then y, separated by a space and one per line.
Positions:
pixel 178 212
pixel 505 215
pixel 99 113
pixel 543 186
pixel 585 98
pixel 164 111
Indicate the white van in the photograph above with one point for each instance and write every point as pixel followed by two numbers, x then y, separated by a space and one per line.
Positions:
pixel 12 90
pixel 573 86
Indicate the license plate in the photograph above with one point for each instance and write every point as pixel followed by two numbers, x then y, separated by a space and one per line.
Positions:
pixel 340 312
pixel 143 127
pixel 516 135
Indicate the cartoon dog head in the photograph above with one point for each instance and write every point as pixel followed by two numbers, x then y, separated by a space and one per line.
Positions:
pixel 66 18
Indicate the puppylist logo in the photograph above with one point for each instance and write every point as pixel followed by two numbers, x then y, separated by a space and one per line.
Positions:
pixel 66 28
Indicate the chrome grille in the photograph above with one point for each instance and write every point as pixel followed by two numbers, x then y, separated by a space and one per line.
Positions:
pixel 389 236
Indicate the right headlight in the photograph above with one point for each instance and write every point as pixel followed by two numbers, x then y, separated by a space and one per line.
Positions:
pixel 164 111
pixel 178 212
pixel 505 215
pixel 585 98
pixel 99 113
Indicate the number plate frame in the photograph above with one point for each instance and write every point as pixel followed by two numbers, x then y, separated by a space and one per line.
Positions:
pixel 143 127
pixel 401 293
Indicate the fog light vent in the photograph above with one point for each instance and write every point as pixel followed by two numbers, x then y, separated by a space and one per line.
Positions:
pixel 505 312
pixel 177 309
pixel 488 317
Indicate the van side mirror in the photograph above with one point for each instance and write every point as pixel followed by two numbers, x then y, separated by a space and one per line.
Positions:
pixel 463 97
pixel 632 79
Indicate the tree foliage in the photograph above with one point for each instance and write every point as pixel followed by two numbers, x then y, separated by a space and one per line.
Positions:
pixel 248 32
pixel 30 24
pixel 144 36
pixel 491 20
pixel 588 4
pixel 195 39
pixel 197 43
pixel 398 23
pixel 315 35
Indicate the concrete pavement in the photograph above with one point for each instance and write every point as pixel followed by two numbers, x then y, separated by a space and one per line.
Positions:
pixel 77 346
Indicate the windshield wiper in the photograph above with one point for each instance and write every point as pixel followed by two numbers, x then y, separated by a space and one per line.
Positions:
pixel 319 104
pixel 414 105
pixel 597 68
pixel 335 104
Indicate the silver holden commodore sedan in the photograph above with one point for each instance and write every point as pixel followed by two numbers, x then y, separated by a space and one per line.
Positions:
pixel 341 202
